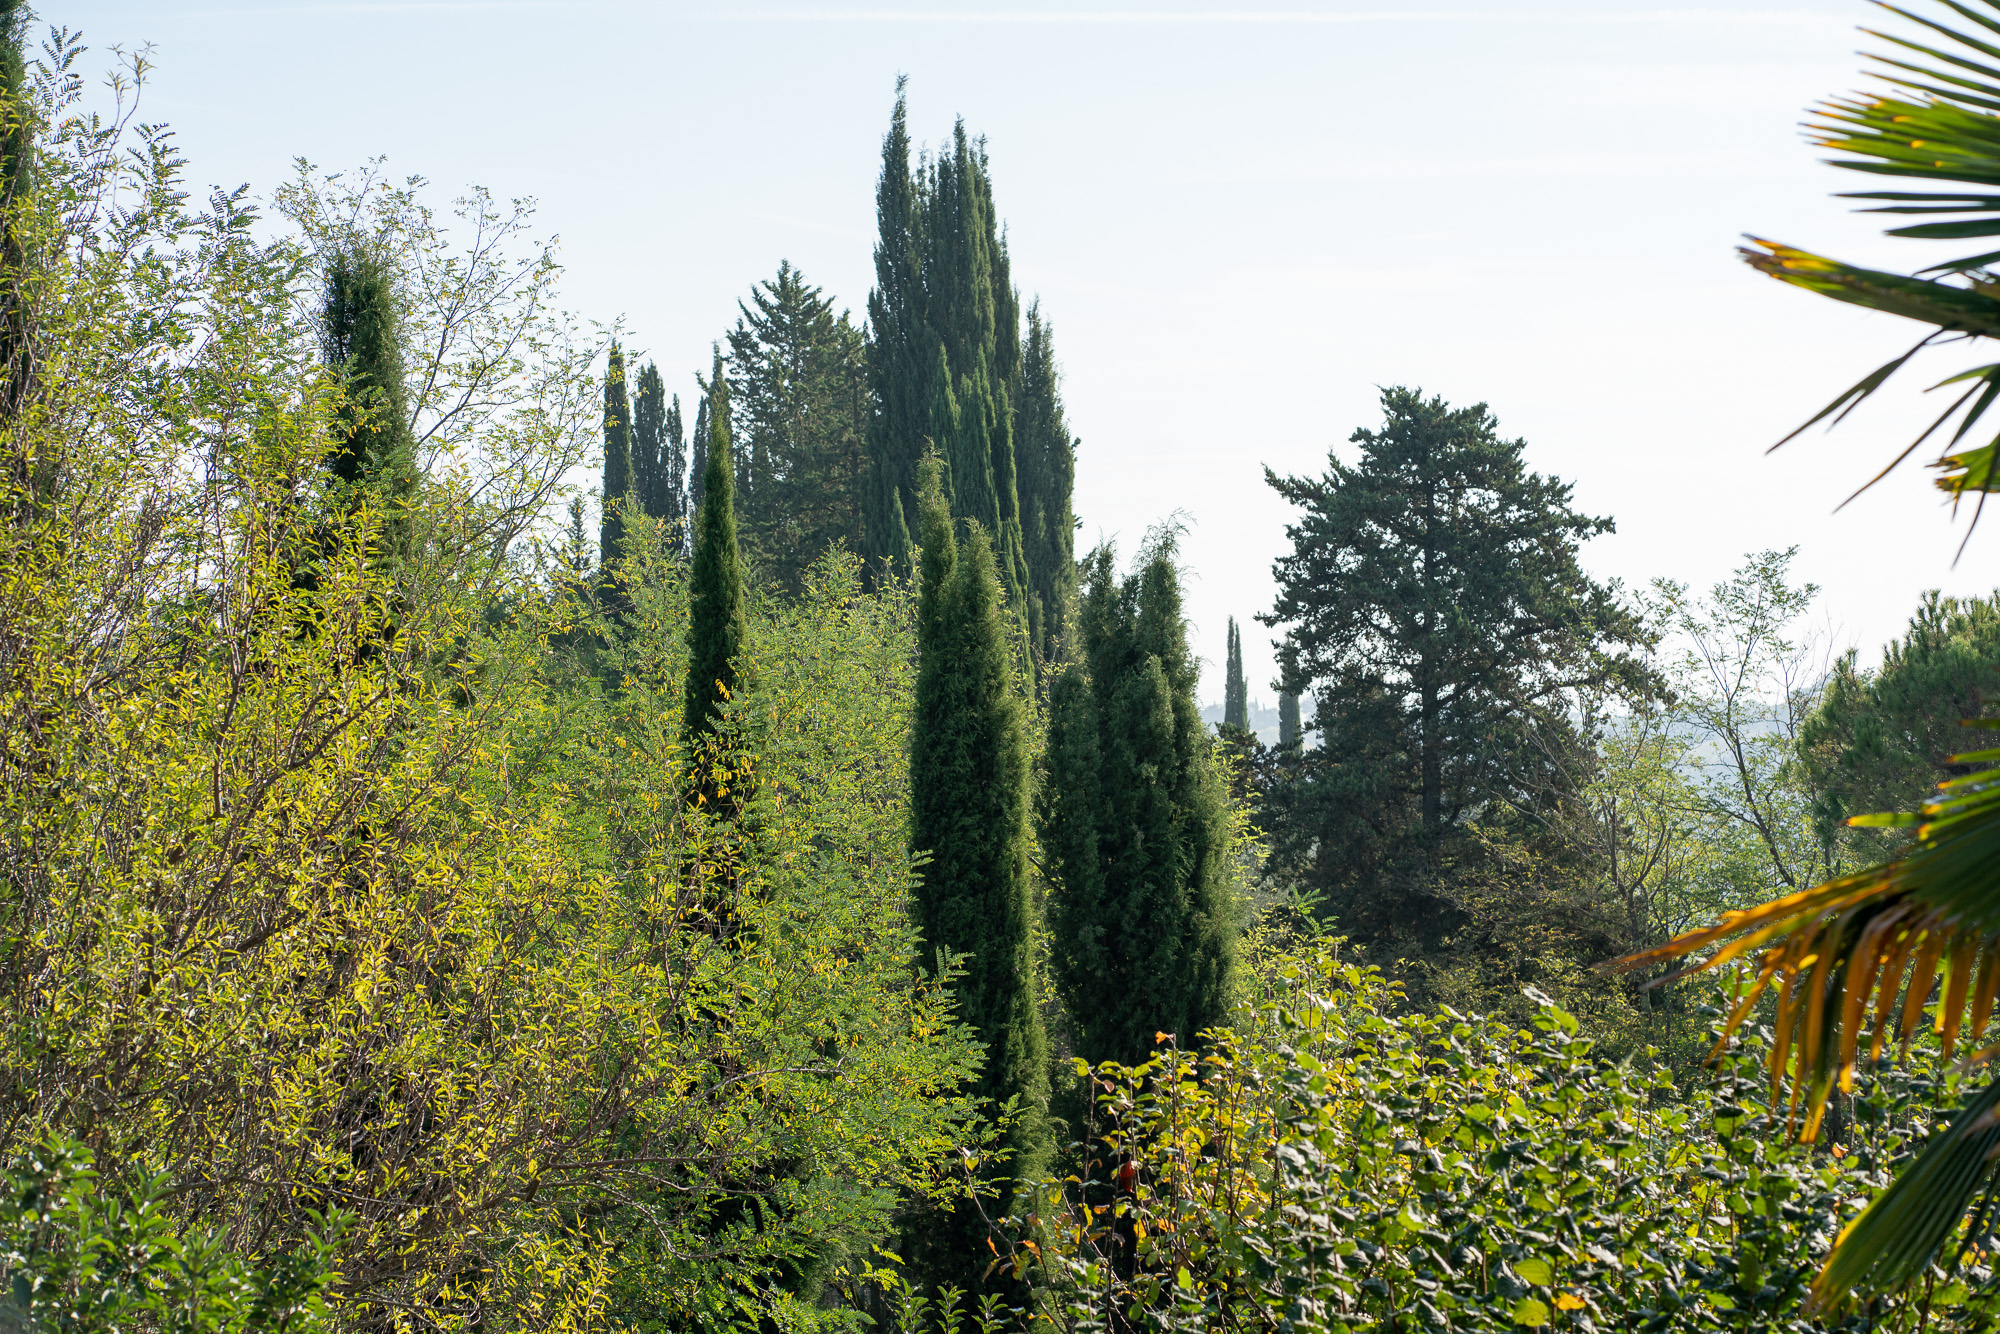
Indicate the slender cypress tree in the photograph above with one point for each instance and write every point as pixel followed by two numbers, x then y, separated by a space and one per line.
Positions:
pixel 1235 691
pixel 1134 823
pixel 373 455
pixel 673 476
pixel 969 777
pixel 649 433
pixel 698 466
pixel 617 460
pixel 901 357
pixel 1046 457
pixel 715 578
pixel 1288 719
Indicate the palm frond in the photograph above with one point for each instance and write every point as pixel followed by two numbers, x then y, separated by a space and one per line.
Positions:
pixel 1861 960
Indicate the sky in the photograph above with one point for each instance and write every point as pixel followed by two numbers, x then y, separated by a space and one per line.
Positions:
pixel 1242 222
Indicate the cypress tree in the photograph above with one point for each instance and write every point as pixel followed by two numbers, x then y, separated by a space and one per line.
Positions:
pixel 1235 692
pixel 1288 719
pixel 715 578
pixel 673 474
pixel 969 777
pixel 901 356
pixel 617 460
pixel 649 436
pixel 1046 457
pixel 1134 823
pixel 698 466
pixel 373 451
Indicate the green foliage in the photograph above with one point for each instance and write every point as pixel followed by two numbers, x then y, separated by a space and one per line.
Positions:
pixel 659 454
pixel 799 396
pixel 1235 690
pixel 361 339
pixel 1883 740
pixel 1433 602
pixel 1288 720
pixel 618 494
pixel 78 1254
pixel 715 576
pixel 1135 827
pixel 970 788
pixel 1333 1166
pixel 946 372
pixel 1045 455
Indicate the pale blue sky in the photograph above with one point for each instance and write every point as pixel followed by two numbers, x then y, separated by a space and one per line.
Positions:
pixel 1240 221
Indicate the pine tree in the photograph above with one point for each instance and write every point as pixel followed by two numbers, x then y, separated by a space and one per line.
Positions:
pixel 1135 824
pixel 1288 720
pixel 969 777
pixel 373 458
pixel 617 461
pixel 1434 603
pixel 716 614
pixel 799 395
pixel 1235 691
pixel 1046 457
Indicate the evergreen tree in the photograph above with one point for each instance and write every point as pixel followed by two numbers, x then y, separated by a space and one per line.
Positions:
pixel 945 358
pixel 617 460
pixel 1288 720
pixel 673 473
pixel 698 465
pixel 374 451
pixel 649 442
pixel 1135 823
pixel 1235 691
pixel 1046 456
pixel 1433 601
pixel 969 778
pixel 900 356
pixel 716 613
pixel 799 394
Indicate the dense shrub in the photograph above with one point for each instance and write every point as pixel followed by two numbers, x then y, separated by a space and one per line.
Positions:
pixel 1335 1166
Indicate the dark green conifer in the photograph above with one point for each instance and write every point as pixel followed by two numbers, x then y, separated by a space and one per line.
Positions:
pixel 1235 691
pixel 969 776
pixel 673 478
pixel 901 357
pixel 715 578
pixel 698 466
pixel 1134 823
pixel 373 455
pixel 617 460
pixel 1046 457
pixel 649 432
pixel 1288 719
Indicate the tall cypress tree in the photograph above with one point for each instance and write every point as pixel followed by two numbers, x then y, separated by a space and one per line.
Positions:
pixel 673 476
pixel 1046 457
pixel 1235 691
pixel 617 460
pixel 1134 823
pixel 698 466
pixel 715 578
pixel 1288 719
pixel 649 433
pixel 373 455
pixel 969 778
pixel 901 356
